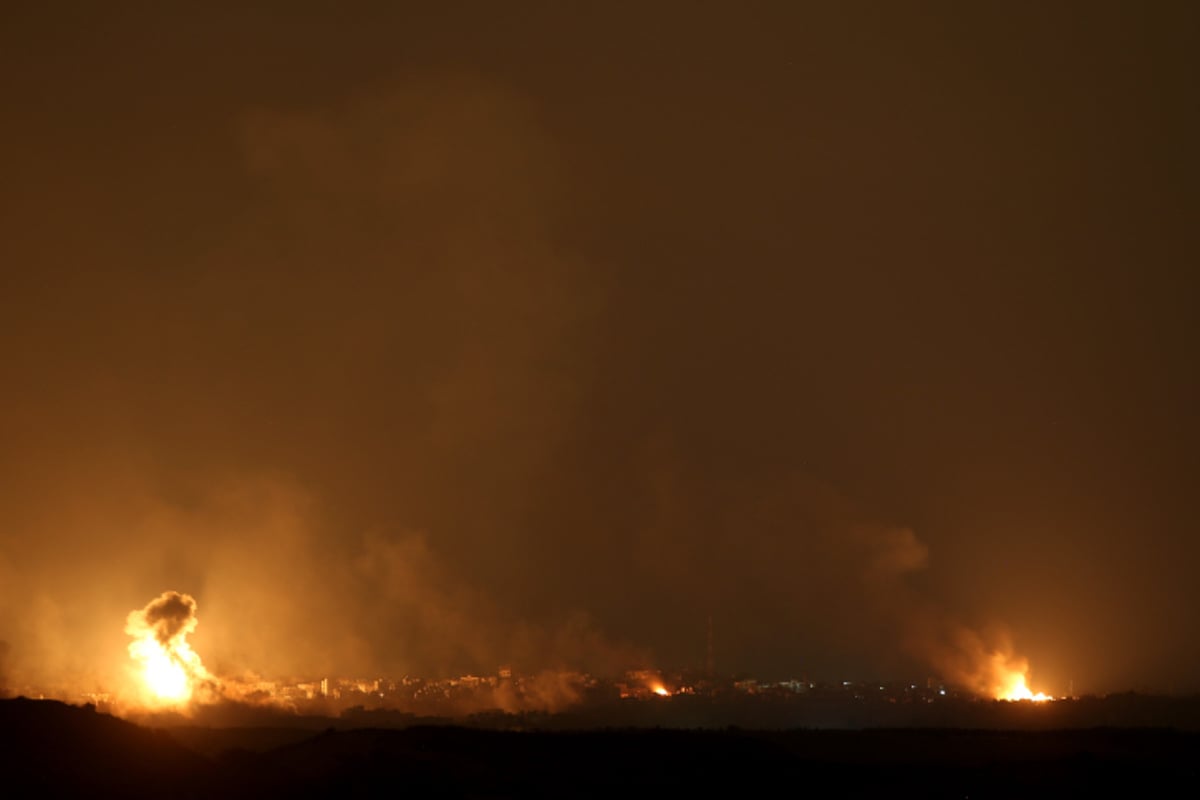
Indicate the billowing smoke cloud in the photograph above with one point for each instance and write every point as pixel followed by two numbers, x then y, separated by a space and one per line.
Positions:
pixel 170 617
pixel 980 660
pixel 171 671
pixel 407 358
pixel 842 594
pixel 385 383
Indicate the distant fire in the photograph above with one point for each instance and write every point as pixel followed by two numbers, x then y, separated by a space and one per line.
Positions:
pixel 1016 689
pixel 171 671
pixel 1009 680
pixel 643 683
pixel 986 665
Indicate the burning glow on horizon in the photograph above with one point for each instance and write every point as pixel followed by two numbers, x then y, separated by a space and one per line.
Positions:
pixel 1009 680
pixel 660 690
pixel 1016 689
pixel 171 671
pixel 988 667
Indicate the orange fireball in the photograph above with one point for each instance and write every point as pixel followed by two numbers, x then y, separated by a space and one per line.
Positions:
pixel 171 670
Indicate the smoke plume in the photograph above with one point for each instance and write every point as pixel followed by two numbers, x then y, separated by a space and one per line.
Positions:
pixel 172 672
pixel 170 617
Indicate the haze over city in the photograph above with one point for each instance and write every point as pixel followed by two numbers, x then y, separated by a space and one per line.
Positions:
pixel 846 341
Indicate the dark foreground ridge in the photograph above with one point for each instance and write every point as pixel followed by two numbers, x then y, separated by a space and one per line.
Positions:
pixel 53 749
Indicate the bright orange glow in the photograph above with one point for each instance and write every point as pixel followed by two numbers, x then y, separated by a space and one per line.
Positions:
pixel 660 690
pixel 1002 675
pixel 163 674
pixel 1015 688
pixel 170 670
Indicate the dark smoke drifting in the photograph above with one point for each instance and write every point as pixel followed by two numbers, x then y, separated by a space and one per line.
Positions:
pixel 171 617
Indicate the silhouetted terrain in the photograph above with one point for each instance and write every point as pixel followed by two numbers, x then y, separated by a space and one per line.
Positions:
pixel 49 748
pixel 53 749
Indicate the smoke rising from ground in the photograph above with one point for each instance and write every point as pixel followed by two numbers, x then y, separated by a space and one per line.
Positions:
pixel 838 586
pixel 381 347
pixel 401 351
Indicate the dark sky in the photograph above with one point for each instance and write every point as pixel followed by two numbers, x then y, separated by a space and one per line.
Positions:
pixel 438 338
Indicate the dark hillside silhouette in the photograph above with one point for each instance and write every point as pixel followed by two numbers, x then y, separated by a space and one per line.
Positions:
pixel 52 749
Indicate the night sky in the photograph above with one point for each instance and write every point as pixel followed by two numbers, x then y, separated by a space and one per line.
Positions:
pixel 437 337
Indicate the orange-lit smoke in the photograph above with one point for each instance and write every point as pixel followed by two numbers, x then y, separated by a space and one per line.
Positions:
pixel 1006 678
pixel 171 673
pixel 984 664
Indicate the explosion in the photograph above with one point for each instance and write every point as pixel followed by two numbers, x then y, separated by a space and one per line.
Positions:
pixel 983 662
pixel 1016 689
pixel 1009 680
pixel 171 671
pixel 659 689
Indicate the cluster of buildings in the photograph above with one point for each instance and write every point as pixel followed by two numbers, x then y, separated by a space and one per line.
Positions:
pixel 549 691
pixel 559 690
